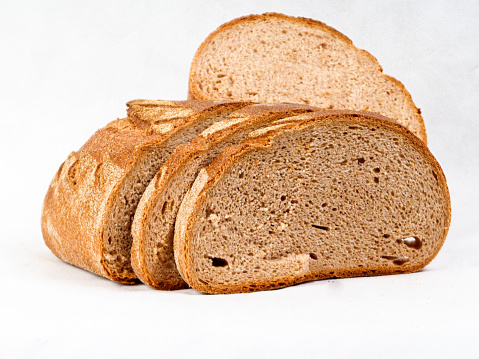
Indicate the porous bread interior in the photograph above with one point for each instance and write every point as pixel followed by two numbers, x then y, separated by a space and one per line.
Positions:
pixel 158 237
pixel 273 59
pixel 159 233
pixel 337 201
pixel 117 238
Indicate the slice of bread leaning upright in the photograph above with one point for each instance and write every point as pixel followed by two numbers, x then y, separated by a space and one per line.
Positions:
pixel 333 194
pixel 89 206
pixel 278 58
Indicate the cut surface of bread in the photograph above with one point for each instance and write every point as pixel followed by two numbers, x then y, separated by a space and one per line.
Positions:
pixel 91 201
pixel 278 58
pixel 154 222
pixel 340 194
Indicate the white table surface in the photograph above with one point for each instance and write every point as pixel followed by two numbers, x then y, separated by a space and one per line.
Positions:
pixel 68 68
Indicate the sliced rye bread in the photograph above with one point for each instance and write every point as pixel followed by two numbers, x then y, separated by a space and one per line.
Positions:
pixel 278 58
pixel 89 206
pixel 154 223
pixel 340 194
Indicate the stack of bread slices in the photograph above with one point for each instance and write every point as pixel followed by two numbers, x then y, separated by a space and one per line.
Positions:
pixel 294 159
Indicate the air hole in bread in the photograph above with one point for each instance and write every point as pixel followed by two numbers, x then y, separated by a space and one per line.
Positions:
pixel 361 160
pixel 400 261
pixel 313 256
pixel 163 208
pixel 397 260
pixel 283 197
pixel 412 242
pixel 390 258
pixel 219 262
pixel 324 228
pixel 377 170
pixel 208 212
pixel 386 235
pixel 435 175
pixel 376 179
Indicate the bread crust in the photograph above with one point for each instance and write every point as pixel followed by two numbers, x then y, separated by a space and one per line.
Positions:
pixel 209 176
pixel 247 117
pixel 194 93
pixel 79 199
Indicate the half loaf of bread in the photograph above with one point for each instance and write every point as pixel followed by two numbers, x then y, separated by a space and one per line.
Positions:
pixel 278 58
pixel 338 194
pixel 154 222
pixel 89 206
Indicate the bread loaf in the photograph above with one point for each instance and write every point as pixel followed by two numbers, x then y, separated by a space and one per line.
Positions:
pixel 337 194
pixel 278 58
pixel 89 206
pixel 154 222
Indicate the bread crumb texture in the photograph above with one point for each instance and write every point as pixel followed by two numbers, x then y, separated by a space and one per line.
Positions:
pixel 154 222
pixel 278 58
pixel 89 207
pixel 353 197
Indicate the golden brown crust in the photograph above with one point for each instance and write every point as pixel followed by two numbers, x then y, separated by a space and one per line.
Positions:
pixel 74 207
pixel 80 196
pixel 211 175
pixel 194 93
pixel 249 117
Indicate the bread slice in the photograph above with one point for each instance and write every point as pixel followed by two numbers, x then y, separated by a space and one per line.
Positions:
pixel 340 194
pixel 89 206
pixel 278 58
pixel 154 222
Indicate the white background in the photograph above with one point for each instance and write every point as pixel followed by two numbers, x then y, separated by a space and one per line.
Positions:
pixel 67 68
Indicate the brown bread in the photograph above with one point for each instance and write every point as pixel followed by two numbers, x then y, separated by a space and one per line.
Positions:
pixel 153 225
pixel 278 58
pixel 89 206
pixel 338 194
